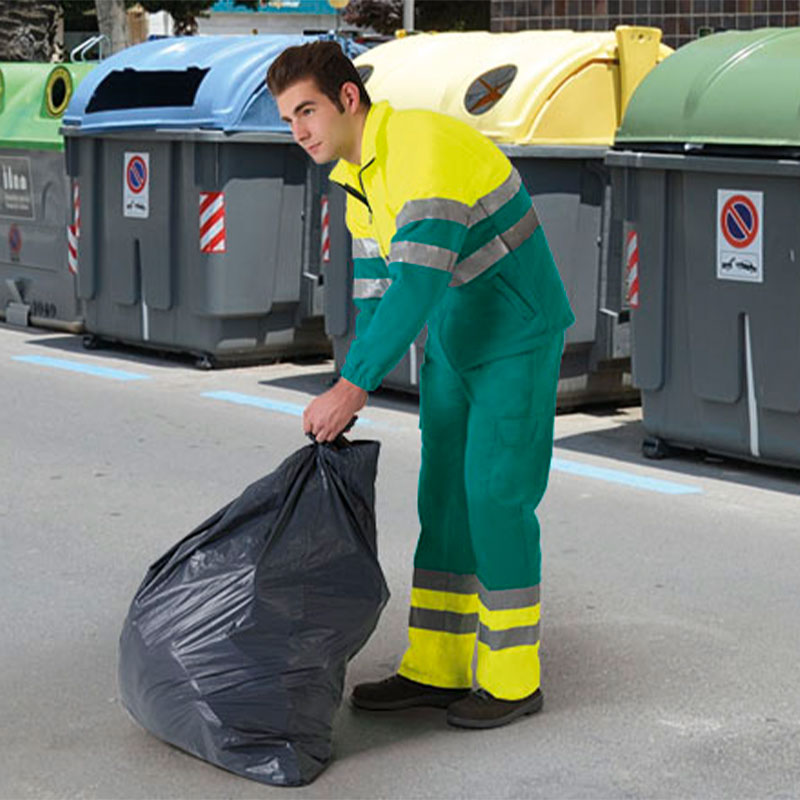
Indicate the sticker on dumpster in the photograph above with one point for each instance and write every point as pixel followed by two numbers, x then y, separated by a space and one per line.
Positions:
pixel 16 187
pixel 212 222
pixel 136 185
pixel 740 224
pixel 486 90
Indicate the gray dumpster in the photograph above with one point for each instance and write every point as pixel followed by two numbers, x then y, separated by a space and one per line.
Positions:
pixel 197 209
pixel 552 101
pixel 707 163
pixel 36 284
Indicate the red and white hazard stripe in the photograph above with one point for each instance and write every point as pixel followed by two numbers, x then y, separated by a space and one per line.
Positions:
pixel 212 222
pixel 74 230
pixel 76 207
pixel 72 249
pixel 326 231
pixel 632 269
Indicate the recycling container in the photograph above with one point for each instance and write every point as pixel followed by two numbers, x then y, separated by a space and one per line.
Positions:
pixel 552 100
pixel 707 162
pixel 36 284
pixel 197 208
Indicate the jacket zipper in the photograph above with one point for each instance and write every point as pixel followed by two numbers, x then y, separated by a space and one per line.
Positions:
pixel 354 192
pixel 351 190
pixel 361 182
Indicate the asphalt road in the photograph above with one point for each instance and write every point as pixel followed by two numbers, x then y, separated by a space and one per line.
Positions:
pixel 671 608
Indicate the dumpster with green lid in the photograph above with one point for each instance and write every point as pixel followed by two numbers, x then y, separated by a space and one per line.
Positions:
pixel 36 284
pixel 199 223
pixel 707 167
pixel 552 100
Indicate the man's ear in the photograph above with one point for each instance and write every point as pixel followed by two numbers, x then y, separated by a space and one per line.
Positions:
pixel 350 96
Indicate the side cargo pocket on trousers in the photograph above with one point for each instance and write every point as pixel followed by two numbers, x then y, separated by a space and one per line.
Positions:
pixel 521 461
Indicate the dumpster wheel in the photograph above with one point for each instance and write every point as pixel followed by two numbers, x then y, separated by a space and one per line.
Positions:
pixel 204 362
pixel 92 342
pixel 655 448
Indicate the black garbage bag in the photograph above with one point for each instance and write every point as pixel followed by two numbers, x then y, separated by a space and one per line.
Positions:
pixel 235 645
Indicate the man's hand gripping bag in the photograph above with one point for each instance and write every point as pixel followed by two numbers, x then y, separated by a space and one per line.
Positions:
pixel 235 645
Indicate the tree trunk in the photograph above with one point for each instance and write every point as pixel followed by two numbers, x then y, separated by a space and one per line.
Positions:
pixel 112 20
pixel 28 30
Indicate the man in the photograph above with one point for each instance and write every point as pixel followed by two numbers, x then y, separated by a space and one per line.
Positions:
pixel 444 233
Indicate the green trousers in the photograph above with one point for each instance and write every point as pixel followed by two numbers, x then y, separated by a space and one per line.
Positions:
pixel 487 441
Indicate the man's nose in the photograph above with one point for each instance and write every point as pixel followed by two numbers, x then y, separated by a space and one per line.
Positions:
pixel 300 132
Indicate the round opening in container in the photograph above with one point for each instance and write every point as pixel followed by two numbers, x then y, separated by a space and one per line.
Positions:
pixel 58 92
pixel 488 89
pixel 364 71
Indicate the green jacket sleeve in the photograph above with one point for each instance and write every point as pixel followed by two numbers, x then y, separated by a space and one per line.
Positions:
pixel 394 323
pixel 423 253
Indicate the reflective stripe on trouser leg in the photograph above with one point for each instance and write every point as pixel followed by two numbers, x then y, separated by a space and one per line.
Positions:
pixel 442 628
pixel 507 462
pixel 508 642
pixel 443 620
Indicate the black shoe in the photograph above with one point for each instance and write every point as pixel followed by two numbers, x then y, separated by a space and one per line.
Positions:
pixel 481 710
pixel 398 692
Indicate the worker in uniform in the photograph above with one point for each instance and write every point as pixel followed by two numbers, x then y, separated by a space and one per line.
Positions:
pixel 445 234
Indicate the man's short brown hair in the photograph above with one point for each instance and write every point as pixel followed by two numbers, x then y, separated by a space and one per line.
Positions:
pixel 324 62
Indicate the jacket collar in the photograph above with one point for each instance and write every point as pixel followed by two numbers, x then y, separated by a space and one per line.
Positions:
pixel 377 116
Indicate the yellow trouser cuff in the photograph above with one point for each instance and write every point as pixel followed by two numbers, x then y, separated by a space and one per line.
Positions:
pixel 511 673
pixel 439 659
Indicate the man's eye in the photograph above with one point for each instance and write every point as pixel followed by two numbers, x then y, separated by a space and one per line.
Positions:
pixel 307 111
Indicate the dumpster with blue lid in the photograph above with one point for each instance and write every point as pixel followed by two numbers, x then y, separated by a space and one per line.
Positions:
pixel 199 223
pixel 36 204
pixel 707 162
pixel 552 100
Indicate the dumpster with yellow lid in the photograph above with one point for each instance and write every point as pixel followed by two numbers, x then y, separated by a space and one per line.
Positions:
pixel 36 285
pixel 529 87
pixel 552 100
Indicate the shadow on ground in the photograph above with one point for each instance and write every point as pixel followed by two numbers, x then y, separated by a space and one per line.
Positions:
pixel 135 355
pixel 622 441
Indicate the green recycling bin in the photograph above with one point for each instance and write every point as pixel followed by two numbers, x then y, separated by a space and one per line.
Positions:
pixel 37 286
pixel 707 170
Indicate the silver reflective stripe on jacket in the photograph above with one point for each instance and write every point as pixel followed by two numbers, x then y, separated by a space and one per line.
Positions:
pixel 469 216
pixel 366 248
pixel 370 288
pixel 433 208
pixel 498 197
pixel 495 249
pixel 426 255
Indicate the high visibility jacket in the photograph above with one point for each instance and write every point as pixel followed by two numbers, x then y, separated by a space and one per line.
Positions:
pixel 443 232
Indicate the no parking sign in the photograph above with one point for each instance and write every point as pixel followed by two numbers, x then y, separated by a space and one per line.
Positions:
pixel 740 233
pixel 136 185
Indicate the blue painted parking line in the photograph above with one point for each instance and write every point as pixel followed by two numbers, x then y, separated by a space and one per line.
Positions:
pixel 265 403
pixel 624 478
pixel 86 369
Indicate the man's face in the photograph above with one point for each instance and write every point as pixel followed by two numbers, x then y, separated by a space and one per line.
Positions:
pixel 318 126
